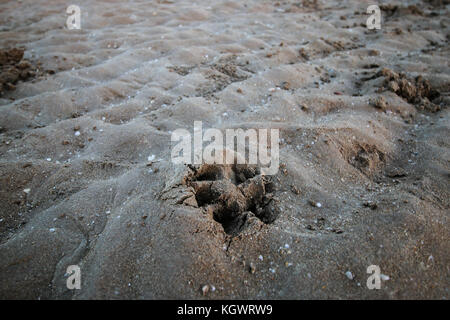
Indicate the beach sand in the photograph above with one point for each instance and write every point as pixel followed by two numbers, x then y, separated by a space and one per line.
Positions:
pixel 86 176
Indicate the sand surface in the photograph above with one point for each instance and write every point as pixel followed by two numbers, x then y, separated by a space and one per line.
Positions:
pixel 86 176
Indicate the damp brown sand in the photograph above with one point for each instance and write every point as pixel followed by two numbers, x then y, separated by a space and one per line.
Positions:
pixel 85 171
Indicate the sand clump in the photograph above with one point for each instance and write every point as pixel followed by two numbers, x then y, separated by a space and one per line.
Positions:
pixel 13 69
pixel 233 195
pixel 417 91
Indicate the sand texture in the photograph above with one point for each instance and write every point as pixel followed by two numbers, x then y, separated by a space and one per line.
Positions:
pixel 86 176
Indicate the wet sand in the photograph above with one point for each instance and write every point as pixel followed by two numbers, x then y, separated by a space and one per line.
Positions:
pixel 86 176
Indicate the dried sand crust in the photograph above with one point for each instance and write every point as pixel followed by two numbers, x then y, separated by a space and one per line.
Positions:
pixel 364 121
